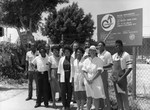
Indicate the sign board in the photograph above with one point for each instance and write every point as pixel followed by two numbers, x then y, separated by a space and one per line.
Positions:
pixel 123 25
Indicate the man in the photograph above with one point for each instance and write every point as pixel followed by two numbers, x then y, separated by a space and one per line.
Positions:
pixel 30 55
pixel 86 47
pixel 48 50
pixel 61 44
pixel 122 66
pixel 49 53
pixel 107 61
pixel 42 65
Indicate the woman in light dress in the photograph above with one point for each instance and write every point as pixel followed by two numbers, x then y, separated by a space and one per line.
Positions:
pixel 79 88
pixel 92 68
pixel 53 78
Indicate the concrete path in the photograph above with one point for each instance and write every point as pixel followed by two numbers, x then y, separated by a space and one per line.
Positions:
pixel 18 103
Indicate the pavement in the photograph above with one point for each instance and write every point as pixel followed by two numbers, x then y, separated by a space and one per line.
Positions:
pixel 18 102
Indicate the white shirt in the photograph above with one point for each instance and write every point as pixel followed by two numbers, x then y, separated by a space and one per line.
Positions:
pixel 54 61
pixel 125 60
pixel 41 63
pixel 106 57
pixel 29 57
pixel 73 55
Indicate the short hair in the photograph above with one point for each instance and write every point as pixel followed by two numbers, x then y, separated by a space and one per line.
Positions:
pixel 102 43
pixel 87 41
pixel 119 42
pixel 67 47
pixel 55 47
pixel 47 45
pixel 81 49
pixel 41 49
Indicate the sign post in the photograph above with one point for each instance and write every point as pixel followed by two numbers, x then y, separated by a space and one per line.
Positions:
pixel 134 50
pixel 125 26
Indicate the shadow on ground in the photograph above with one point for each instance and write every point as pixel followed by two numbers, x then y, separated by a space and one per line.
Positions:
pixel 7 89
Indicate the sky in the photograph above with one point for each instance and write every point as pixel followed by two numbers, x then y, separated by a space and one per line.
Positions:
pixel 96 7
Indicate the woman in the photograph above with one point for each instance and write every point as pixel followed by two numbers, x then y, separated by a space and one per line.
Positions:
pixel 79 88
pixel 93 68
pixel 53 78
pixel 66 73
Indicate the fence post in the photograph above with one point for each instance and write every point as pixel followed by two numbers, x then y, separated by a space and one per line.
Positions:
pixel 134 50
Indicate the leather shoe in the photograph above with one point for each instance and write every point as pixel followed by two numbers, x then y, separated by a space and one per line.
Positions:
pixel 46 106
pixel 28 98
pixel 37 105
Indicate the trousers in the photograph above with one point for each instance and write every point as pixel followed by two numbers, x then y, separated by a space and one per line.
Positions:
pixel 43 85
pixel 66 93
pixel 32 75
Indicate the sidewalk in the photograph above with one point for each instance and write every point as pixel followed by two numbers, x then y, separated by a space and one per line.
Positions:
pixel 18 103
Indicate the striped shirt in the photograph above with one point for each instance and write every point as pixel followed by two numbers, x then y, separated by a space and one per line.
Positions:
pixel 125 60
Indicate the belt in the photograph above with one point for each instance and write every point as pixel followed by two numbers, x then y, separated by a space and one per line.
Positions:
pixel 67 70
pixel 42 72
pixel 54 68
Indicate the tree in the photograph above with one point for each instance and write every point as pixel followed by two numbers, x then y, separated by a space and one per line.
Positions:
pixel 69 24
pixel 25 14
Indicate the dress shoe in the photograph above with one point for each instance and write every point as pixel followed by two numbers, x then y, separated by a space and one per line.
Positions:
pixel 28 98
pixel 46 106
pixel 68 108
pixel 37 105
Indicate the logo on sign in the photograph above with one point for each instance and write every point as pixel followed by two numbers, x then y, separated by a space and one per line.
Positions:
pixel 108 22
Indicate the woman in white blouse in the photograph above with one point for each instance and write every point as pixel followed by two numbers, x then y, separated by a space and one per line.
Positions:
pixel 79 88
pixel 53 78
pixel 93 68
pixel 66 73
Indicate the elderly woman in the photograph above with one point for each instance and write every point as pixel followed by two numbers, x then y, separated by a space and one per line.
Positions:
pixel 79 88
pixel 53 77
pixel 93 68
pixel 66 73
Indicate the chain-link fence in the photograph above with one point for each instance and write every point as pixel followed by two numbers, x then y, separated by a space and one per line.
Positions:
pixel 143 83
pixel 142 99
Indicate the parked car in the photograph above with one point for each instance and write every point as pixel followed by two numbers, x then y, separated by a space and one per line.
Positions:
pixel 148 60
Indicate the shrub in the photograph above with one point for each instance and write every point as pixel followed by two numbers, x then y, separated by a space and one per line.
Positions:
pixel 10 66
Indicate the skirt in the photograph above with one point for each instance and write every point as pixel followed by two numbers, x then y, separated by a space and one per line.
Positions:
pixel 55 86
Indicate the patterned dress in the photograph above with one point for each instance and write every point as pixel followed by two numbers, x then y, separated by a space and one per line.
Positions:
pixel 79 87
pixel 54 65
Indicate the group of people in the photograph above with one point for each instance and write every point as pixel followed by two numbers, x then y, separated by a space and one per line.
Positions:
pixel 80 74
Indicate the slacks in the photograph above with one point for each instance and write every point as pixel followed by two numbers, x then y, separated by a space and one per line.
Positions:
pixel 42 83
pixel 32 75
pixel 66 93
pixel 105 83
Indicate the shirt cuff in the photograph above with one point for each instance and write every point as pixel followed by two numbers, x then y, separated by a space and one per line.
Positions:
pixel 100 68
